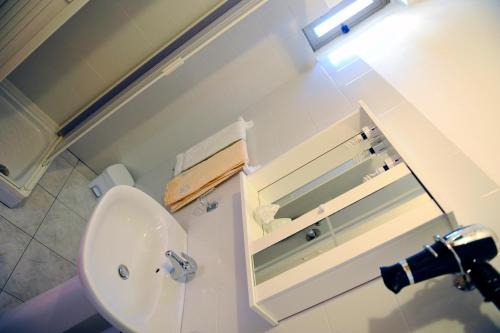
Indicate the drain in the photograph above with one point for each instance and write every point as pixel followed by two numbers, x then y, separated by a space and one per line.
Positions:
pixel 312 234
pixel 123 272
pixel 4 170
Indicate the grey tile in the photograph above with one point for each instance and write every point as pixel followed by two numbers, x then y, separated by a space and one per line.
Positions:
pixel 7 302
pixel 56 175
pixel 38 271
pixel 61 231
pixel 77 196
pixel 85 171
pixel 12 244
pixel 69 157
pixel 31 212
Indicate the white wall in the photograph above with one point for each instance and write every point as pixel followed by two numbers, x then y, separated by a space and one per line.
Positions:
pixel 443 77
pixel 216 301
pixel 208 92
pixel 287 116
pixel 434 306
pixel 442 56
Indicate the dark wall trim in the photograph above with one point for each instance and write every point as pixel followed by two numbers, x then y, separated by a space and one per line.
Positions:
pixel 136 75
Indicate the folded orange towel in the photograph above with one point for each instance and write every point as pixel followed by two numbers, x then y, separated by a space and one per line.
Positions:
pixel 207 174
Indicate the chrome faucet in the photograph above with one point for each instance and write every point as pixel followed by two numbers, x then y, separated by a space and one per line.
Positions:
pixel 183 267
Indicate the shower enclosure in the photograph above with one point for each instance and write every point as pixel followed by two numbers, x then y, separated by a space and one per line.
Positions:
pixel 27 137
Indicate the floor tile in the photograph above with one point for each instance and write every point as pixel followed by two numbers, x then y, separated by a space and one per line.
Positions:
pixel 7 302
pixel 12 244
pixel 61 231
pixel 85 170
pixel 31 212
pixel 56 175
pixel 38 271
pixel 69 157
pixel 77 196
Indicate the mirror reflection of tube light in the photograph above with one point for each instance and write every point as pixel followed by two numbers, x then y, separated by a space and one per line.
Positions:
pixel 341 16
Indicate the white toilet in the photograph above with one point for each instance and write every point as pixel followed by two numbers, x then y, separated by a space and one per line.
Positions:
pixel 116 174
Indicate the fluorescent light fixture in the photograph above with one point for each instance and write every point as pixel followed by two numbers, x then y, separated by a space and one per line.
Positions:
pixel 341 16
pixel 373 42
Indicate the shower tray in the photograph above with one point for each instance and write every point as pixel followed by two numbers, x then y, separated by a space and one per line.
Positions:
pixel 27 137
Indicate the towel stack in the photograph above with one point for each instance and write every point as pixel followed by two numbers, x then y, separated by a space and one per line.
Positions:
pixel 199 179
pixel 211 145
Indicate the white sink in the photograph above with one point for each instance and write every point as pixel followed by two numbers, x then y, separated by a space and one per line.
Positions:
pixel 130 228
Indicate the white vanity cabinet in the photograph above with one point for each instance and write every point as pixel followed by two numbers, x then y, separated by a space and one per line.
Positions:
pixel 354 205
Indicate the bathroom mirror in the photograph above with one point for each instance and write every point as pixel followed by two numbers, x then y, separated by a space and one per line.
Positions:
pixel 370 212
pixel 356 160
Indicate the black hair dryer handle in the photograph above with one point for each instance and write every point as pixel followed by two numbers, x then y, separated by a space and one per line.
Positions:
pixel 487 281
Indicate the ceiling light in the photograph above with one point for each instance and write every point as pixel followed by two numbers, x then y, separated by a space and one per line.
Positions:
pixel 340 17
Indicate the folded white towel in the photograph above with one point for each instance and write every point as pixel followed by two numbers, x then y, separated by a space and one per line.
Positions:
pixel 211 145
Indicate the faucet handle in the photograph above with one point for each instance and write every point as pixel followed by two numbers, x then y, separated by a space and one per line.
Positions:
pixel 183 267
pixel 176 264
pixel 191 262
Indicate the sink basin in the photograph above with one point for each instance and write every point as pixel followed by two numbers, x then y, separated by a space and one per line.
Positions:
pixel 129 229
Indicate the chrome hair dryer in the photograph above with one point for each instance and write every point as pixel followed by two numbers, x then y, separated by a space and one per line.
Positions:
pixel 464 252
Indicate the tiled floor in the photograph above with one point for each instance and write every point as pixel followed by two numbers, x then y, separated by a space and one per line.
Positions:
pixel 39 241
